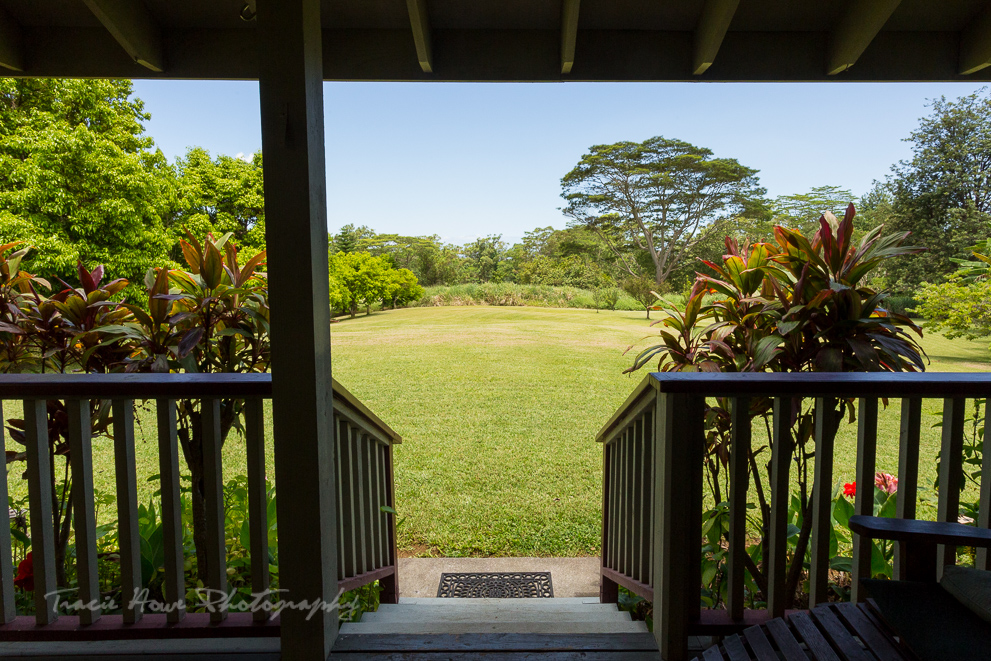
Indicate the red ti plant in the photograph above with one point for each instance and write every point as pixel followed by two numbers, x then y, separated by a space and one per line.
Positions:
pixel 787 306
pixel 212 318
pixel 71 331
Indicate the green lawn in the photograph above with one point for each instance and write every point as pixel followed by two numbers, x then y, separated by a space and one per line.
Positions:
pixel 498 407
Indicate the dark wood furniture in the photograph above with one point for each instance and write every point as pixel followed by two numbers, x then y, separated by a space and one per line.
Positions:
pixel 909 619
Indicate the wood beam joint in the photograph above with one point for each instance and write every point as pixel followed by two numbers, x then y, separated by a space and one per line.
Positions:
pixel 713 23
pixel 11 50
pixel 420 22
pixel 975 44
pixel 134 29
pixel 569 33
pixel 855 31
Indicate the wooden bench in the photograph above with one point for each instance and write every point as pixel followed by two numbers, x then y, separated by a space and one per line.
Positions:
pixel 911 619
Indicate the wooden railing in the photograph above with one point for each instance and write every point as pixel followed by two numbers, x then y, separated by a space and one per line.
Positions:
pixel 653 486
pixel 366 534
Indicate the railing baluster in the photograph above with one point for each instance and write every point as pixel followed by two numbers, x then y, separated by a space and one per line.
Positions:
pixel 383 517
pixel 39 469
pixel 739 485
pixel 347 523
pixel 339 436
pixel 908 472
pixel 254 432
pixel 368 487
pixel 624 513
pixel 650 497
pixel 8 607
pixel 679 429
pixel 781 454
pixel 650 420
pixel 636 501
pixel 983 560
pixel 822 499
pixel 213 492
pixel 128 534
pixel 360 525
pixel 950 473
pixel 84 514
pixel 168 459
pixel 614 462
pixel 608 591
pixel 390 584
pixel 375 481
pixel 864 500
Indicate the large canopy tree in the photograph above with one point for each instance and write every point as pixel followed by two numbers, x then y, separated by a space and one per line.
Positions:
pixel 220 195
pixel 79 179
pixel 943 193
pixel 654 201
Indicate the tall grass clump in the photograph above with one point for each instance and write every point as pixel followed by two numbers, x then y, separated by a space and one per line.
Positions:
pixel 513 294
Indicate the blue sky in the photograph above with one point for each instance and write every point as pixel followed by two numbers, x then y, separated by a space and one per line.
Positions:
pixel 468 160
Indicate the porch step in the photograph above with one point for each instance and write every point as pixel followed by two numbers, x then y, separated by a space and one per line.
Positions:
pixel 496 616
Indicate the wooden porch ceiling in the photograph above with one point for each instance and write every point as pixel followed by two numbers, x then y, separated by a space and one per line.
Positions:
pixel 515 40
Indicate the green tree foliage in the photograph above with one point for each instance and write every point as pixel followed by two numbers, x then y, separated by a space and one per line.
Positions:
pixel 401 288
pixel 79 179
pixel 959 306
pixel 220 195
pixel 350 238
pixel 358 279
pixel 488 260
pixel 943 193
pixel 802 211
pixel 653 202
pixel 574 257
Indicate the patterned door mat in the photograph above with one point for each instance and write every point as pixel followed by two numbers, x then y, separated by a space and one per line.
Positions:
pixel 496 585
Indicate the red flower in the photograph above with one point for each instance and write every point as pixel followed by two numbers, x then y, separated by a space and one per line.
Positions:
pixel 25 573
pixel 850 488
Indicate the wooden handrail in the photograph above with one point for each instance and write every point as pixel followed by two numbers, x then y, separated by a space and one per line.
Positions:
pixel 168 386
pixel 824 384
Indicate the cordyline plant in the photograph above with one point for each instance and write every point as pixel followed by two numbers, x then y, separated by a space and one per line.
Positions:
pixel 792 305
pixel 68 331
pixel 212 318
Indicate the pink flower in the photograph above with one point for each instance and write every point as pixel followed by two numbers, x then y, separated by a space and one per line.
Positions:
pixel 885 482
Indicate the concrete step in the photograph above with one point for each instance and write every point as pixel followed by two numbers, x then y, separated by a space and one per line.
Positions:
pixel 438 614
pixel 562 627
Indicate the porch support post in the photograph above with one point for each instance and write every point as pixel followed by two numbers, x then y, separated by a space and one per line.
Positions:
pixel 291 91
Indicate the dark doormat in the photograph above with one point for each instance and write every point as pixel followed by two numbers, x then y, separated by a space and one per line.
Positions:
pixel 496 585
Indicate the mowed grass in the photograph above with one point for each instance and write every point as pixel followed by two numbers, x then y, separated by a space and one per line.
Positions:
pixel 499 407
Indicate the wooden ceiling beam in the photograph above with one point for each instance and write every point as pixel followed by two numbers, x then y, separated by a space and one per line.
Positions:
pixel 975 44
pixel 11 50
pixel 134 29
pixel 710 31
pixel 855 31
pixel 569 33
pixel 420 22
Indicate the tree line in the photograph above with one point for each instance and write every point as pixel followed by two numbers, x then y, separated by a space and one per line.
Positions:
pixel 81 180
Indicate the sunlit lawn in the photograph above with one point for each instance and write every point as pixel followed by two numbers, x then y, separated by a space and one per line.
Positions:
pixel 498 408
